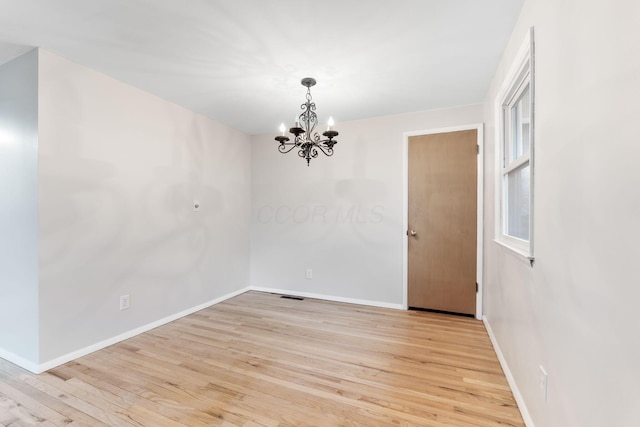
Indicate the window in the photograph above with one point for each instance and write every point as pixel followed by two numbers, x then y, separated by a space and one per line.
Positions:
pixel 515 112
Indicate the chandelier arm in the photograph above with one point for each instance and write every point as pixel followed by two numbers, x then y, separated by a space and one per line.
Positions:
pixel 283 149
pixel 328 152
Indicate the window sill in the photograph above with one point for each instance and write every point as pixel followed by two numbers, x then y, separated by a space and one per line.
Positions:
pixel 521 254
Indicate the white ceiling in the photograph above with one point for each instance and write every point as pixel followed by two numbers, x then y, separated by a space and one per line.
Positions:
pixel 240 61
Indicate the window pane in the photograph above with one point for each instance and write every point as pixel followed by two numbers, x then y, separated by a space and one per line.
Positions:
pixel 520 121
pixel 517 215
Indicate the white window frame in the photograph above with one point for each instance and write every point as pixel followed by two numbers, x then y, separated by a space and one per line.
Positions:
pixel 520 75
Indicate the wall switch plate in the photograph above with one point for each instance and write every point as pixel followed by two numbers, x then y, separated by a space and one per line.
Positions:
pixel 543 382
pixel 196 206
pixel 309 273
pixel 124 302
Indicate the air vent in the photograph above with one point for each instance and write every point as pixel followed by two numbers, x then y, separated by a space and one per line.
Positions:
pixel 292 297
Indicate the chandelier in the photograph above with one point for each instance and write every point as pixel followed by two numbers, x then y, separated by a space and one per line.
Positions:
pixel 305 139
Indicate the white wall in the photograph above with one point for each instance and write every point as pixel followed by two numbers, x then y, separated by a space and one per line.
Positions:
pixel 575 312
pixel 342 216
pixel 119 172
pixel 19 209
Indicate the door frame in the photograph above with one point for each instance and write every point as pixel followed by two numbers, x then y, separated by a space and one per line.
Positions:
pixel 479 127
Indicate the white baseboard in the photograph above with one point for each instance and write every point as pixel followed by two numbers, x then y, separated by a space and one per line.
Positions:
pixel 507 372
pixel 39 368
pixel 17 360
pixel 328 297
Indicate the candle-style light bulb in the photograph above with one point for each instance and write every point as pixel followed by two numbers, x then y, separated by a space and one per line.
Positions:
pixel 330 123
pixel 296 123
pixel 282 128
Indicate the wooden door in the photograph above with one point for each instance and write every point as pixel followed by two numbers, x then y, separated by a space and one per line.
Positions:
pixel 443 221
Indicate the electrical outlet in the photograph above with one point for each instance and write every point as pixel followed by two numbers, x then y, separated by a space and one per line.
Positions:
pixel 124 302
pixel 543 382
pixel 309 273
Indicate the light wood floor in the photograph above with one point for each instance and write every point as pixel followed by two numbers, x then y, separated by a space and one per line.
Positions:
pixel 260 360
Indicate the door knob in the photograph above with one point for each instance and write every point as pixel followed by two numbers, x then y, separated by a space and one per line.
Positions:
pixel 413 232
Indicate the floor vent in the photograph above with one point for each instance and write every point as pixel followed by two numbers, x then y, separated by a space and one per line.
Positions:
pixel 292 297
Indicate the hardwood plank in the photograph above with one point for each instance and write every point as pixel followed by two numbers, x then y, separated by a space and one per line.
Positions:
pixel 15 377
pixel 259 360
pixel 34 406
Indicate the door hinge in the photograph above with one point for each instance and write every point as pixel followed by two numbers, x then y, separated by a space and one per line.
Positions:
pixel 476 287
pixel 477 148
